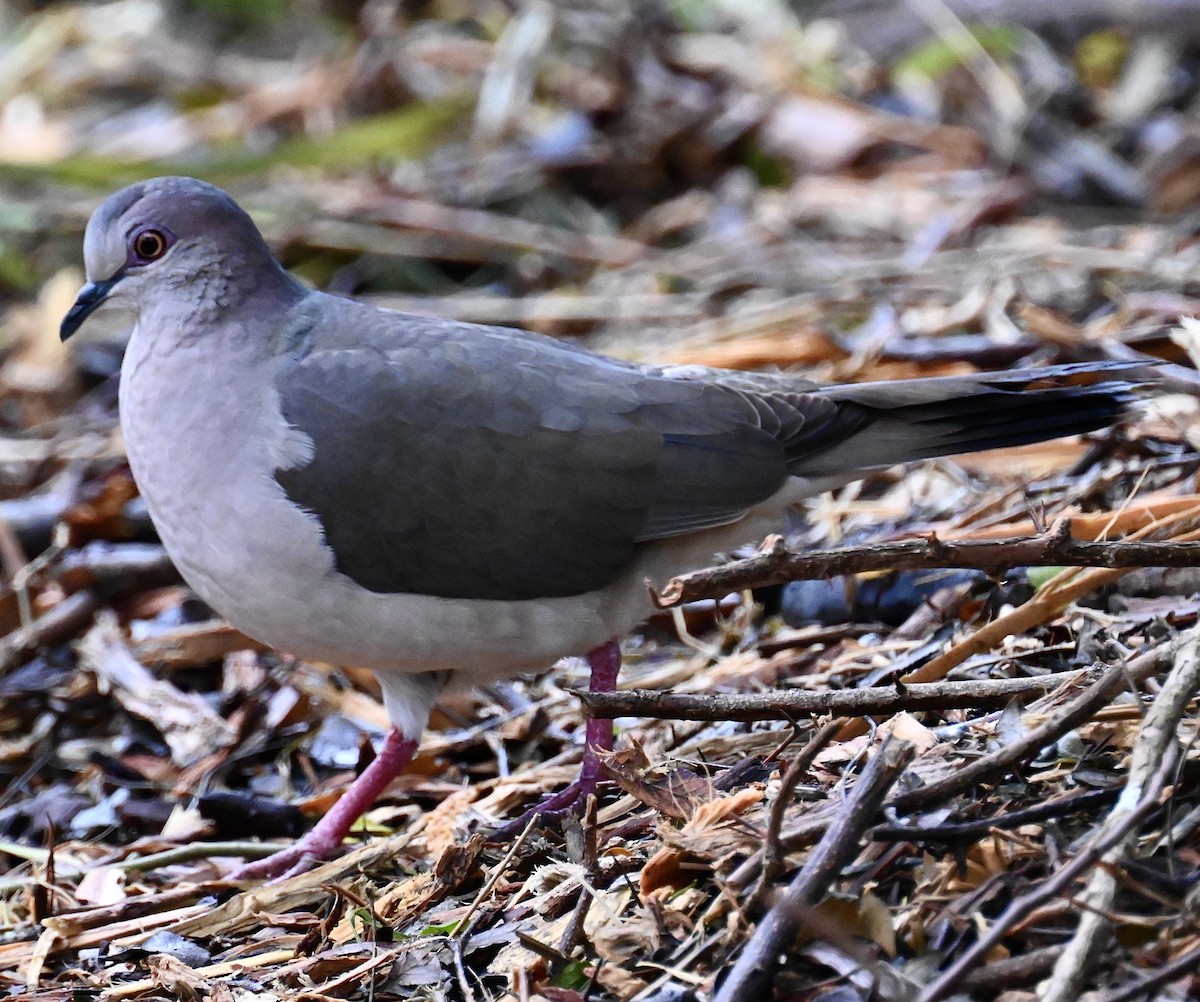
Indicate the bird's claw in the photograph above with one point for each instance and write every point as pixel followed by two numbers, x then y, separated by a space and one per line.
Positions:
pixel 551 810
pixel 280 866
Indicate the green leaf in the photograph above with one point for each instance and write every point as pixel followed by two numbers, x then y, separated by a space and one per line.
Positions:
pixel 16 271
pixel 1038 576
pixel 243 16
pixel 1100 57
pixel 365 916
pixel 574 976
pixel 770 171
pixel 936 58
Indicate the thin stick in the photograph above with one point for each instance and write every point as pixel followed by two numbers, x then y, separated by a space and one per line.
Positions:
pixel 776 563
pixel 1052 887
pixel 1156 737
pixel 1081 709
pixel 970 831
pixel 787 705
pixel 1148 986
pixel 963 777
pixel 460 927
pixel 754 967
pixel 773 852
pixel 55 626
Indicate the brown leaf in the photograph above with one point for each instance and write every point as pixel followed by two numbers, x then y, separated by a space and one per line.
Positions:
pixel 677 795
pixel 697 840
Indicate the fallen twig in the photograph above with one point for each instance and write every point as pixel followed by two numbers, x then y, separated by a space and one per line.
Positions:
pixel 1057 594
pixel 1099 694
pixel 115 567
pixel 53 627
pixel 1146 987
pixel 974 830
pixel 1054 885
pixel 777 563
pixel 962 777
pixel 772 857
pixel 1009 973
pixel 1157 735
pixel 757 961
pixel 786 705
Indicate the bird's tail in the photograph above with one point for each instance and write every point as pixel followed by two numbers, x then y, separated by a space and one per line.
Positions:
pixel 880 424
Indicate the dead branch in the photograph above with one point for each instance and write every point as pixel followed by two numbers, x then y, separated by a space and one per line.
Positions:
pixel 753 968
pixel 777 563
pixel 970 831
pixel 192 645
pixel 1011 972
pixel 1156 737
pixel 962 777
pixel 115 567
pixel 1145 987
pixel 53 627
pixel 1053 886
pixel 788 705
pixel 773 853
pixel 1081 709
pixel 1067 586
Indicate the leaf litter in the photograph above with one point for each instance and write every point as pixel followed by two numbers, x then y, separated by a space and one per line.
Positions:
pixel 863 196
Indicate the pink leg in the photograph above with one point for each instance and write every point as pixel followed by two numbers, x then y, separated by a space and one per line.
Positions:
pixel 605 663
pixel 325 838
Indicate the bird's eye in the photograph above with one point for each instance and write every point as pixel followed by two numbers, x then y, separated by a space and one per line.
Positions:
pixel 149 245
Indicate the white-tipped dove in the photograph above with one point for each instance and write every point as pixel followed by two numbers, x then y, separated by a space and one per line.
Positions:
pixel 448 503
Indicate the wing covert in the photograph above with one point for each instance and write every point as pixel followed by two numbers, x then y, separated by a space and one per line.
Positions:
pixel 472 462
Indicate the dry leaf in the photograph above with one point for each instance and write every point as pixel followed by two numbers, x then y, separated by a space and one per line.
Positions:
pixel 102 885
pixel 176 978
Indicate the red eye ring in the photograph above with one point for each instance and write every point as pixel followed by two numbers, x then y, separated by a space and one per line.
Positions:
pixel 149 245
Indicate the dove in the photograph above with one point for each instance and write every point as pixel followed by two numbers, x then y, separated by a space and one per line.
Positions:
pixel 446 503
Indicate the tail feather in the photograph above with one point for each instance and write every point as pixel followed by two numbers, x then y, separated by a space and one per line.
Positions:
pixel 884 424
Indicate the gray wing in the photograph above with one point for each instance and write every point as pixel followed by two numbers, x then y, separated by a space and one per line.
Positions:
pixel 480 462
pixel 473 462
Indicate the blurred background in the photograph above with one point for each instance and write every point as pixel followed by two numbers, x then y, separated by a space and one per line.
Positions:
pixel 737 182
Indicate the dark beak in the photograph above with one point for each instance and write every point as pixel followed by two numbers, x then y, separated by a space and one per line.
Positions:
pixel 90 297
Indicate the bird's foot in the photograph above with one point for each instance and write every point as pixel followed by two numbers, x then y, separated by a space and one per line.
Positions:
pixel 605 662
pixel 552 809
pixel 324 841
pixel 290 862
